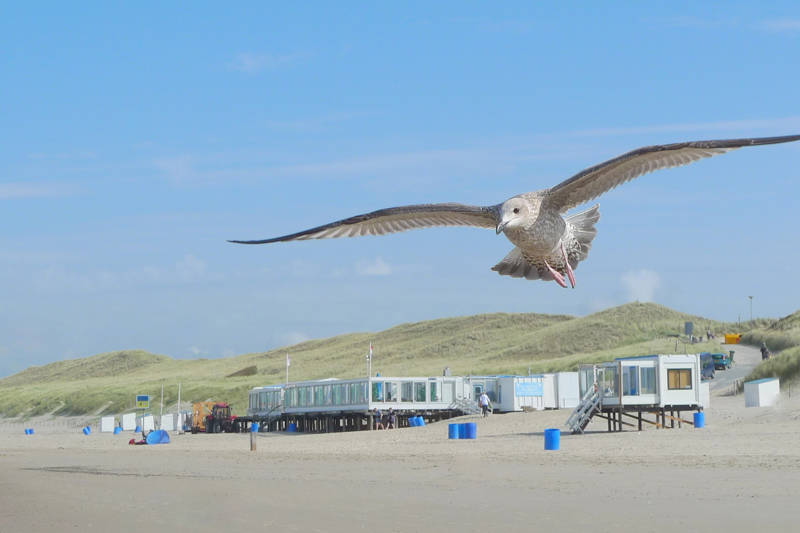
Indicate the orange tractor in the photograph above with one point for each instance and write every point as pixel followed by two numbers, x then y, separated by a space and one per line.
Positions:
pixel 213 417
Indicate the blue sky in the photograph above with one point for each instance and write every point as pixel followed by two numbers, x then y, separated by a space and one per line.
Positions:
pixel 137 139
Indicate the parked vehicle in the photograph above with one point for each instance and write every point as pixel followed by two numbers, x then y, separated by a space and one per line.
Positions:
pixel 722 361
pixel 214 417
pixel 707 366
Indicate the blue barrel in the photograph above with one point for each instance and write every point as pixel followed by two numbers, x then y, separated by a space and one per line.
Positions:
pixel 452 431
pixel 412 421
pixel 292 427
pixel 27 431
pixel 30 431
pixel 462 431
pixel 117 430
pixel 471 430
pixel 420 421
pixel 254 427
pixel 552 439
pixel 138 429
pixel 87 430
pixel 699 420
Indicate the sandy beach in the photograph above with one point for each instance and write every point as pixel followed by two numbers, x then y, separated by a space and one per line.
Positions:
pixel 741 472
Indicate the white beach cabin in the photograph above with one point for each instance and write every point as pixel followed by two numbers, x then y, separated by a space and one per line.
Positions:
pixel 647 383
pixel 761 392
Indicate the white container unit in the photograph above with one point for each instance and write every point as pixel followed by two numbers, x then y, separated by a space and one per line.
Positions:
pixel 167 422
pixel 107 424
pixel 761 392
pixel 515 393
pixel 657 380
pixel 148 423
pixel 129 421
pixel 567 395
pixel 363 394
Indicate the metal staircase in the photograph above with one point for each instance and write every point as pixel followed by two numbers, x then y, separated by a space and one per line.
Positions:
pixel 583 413
pixel 466 406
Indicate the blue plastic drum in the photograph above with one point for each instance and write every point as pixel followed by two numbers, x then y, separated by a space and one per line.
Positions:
pixel 452 431
pixel 552 439
pixel 292 427
pixel 699 420
pixel 471 430
pixel 254 427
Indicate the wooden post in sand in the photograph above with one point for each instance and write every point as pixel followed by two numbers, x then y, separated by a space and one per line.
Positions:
pixel 252 441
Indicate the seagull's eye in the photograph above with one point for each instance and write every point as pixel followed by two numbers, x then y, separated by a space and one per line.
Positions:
pixel 516 210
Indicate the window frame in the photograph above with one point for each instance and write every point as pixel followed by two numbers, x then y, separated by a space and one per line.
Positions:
pixel 681 373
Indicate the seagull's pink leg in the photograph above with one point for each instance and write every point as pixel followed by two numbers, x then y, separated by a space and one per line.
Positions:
pixel 570 273
pixel 556 274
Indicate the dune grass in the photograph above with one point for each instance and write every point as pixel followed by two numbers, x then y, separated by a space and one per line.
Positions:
pixel 783 340
pixel 481 344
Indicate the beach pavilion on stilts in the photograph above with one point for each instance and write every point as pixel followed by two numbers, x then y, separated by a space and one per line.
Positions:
pixel 649 389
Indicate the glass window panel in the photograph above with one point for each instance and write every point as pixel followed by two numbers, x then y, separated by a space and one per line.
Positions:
pixel 630 380
pixel 391 391
pixel 419 392
pixel 610 382
pixel 435 392
pixel 377 392
pixel 407 391
pixel 648 380
pixel 679 378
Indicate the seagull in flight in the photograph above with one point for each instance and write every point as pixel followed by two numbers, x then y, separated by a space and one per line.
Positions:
pixel 547 244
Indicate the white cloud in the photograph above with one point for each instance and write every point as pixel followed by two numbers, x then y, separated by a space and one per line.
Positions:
pixel 58 278
pixel 176 168
pixel 31 190
pixel 780 25
pixel 378 267
pixel 641 284
pixel 314 123
pixel 293 337
pixel 190 269
pixel 252 63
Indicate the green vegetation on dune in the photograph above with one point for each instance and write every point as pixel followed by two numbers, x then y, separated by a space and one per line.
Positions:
pixel 783 336
pixel 481 344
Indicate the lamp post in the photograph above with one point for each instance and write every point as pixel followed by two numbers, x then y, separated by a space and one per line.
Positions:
pixel 751 308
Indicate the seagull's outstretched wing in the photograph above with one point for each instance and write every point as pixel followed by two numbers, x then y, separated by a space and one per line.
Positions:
pixel 601 178
pixel 396 219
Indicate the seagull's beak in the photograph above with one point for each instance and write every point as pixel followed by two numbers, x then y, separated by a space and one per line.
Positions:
pixel 501 226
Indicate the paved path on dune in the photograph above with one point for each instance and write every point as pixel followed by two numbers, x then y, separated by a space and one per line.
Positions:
pixel 745 359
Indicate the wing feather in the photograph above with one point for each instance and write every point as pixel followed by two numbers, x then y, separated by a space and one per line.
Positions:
pixel 397 219
pixel 594 181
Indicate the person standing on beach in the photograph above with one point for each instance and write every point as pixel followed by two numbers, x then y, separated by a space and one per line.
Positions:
pixel 764 351
pixel 378 418
pixel 483 401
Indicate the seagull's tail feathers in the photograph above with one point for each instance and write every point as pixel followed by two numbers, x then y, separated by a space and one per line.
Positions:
pixel 516 266
pixel 582 227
